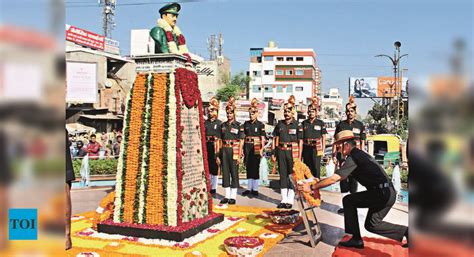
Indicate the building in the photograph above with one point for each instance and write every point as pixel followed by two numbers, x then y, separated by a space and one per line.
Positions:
pixel 212 76
pixel 113 76
pixel 277 73
pixel 331 105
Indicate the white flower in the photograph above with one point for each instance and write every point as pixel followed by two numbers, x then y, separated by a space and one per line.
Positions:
pixel 87 254
pixel 99 210
pixel 74 218
pixel 172 186
pixel 240 230
pixel 114 244
pixel 197 253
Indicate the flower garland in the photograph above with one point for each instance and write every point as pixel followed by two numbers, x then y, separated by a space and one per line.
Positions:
pixel 170 32
pixel 300 171
pixel 155 203
pixel 145 158
pixel 165 155
pixel 188 82
pixel 243 242
pixel 133 151
pixel 171 180
pixel 179 170
pixel 143 150
pixel 121 165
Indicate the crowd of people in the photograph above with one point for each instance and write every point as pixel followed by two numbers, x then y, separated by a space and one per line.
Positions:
pixel 96 146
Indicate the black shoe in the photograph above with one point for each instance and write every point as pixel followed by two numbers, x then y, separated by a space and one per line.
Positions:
pixel 353 243
pixel 281 205
pixel 224 201
pixel 254 193
pixel 231 201
pixel 245 193
pixel 288 206
pixel 213 191
pixel 406 245
pixel 340 211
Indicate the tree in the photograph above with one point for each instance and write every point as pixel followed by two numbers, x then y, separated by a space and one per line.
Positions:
pixel 226 92
pixel 330 112
pixel 378 112
pixel 240 79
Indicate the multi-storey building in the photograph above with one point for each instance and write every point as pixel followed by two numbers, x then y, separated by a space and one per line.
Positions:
pixel 277 73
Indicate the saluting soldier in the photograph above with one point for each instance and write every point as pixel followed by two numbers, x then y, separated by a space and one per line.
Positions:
pixel 232 142
pixel 286 136
pixel 358 129
pixel 213 135
pixel 253 148
pixel 313 141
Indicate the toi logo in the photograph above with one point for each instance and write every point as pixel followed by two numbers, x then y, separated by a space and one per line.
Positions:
pixel 23 224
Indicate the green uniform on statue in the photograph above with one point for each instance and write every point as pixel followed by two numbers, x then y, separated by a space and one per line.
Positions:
pixel 167 36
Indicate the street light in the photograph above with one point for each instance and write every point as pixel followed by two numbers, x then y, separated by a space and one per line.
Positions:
pixel 396 71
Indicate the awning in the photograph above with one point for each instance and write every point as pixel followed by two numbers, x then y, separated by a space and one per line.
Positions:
pixel 79 128
pixel 107 116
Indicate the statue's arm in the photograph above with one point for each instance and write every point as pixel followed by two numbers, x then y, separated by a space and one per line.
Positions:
pixel 159 37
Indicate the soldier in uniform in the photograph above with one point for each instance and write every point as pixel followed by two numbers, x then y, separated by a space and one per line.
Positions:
pixel 286 136
pixel 253 148
pixel 313 141
pixel 232 142
pixel 358 128
pixel 213 135
pixel 379 197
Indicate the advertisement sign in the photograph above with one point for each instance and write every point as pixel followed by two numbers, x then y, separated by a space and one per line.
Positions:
pixel 374 87
pixel 242 111
pixel 85 38
pixel 81 82
pixel 112 46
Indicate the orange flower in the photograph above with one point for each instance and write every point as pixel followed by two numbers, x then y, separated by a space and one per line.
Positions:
pixel 300 170
pixel 155 202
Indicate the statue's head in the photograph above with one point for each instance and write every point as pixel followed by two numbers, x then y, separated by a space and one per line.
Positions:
pixel 170 13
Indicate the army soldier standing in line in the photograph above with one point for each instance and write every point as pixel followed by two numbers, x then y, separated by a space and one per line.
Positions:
pixel 213 135
pixel 253 148
pixel 285 147
pixel 232 142
pixel 358 128
pixel 313 141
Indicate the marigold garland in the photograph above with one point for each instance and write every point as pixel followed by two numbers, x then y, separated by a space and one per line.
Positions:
pixel 133 151
pixel 301 172
pixel 155 203
pixel 165 155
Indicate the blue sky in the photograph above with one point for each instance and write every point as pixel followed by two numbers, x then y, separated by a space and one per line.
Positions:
pixel 344 34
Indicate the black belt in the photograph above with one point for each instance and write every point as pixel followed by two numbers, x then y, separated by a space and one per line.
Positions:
pixel 211 139
pixel 290 144
pixel 382 186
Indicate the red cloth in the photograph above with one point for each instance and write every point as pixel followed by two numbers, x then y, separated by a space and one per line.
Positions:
pixel 93 150
pixel 373 247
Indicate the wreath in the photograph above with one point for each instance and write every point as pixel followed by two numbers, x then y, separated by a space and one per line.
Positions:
pixel 301 172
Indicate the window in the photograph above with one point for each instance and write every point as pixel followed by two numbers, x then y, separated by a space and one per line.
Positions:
pixel 257 73
pixel 299 89
pixel 280 59
pixel 279 72
pixel 256 89
pixel 289 72
pixel 268 58
pixel 299 72
pixel 289 88
pixel 289 59
pixel 299 59
pixel 268 89
pixel 279 88
pixel 268 72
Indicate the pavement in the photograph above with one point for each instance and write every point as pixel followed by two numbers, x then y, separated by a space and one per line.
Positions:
pixel 297 242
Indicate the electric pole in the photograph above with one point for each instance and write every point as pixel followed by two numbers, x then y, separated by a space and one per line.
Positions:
pixel 108 14
pixel 212 47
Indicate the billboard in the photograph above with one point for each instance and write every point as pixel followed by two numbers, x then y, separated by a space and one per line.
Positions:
pixel 81 82
pixel 242 111
pixel 85 38
pixel 374 87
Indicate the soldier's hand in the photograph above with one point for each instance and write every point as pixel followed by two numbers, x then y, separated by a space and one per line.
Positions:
pixel 273 158
pixel 218 161
pixel 305 187
pixel 261 153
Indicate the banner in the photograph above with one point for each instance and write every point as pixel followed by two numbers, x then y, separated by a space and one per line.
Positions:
pixel 375 87
pixel 85 38
pixel 242 111
pixel 112 46
pixel 81 82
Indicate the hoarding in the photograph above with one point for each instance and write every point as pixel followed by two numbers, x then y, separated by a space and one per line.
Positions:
pixel 81 82
pixel 84 37
pixel 375 87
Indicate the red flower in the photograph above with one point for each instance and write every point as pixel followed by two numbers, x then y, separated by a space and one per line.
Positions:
pixel 211 230
pixel 182 245
pixel 192 203
pixel 181 40
pixel 188 197
pixel 169 36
